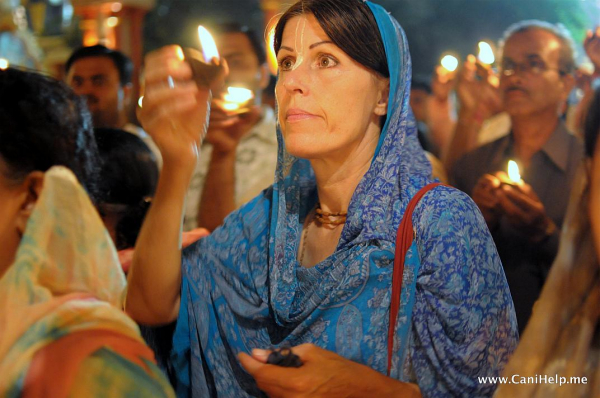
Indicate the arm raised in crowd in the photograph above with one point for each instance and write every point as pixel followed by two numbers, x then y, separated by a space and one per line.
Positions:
pixel 174 113
pixel 478 100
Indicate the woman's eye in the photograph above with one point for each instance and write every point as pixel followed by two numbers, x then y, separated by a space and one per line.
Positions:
pixel 327 62
pixel 286 64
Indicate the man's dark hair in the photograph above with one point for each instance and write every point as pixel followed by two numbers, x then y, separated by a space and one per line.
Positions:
pixel 44 124
pixel 592 125
pixel 256 43
pixel 349 24
pixel 122 62
pixel 128 179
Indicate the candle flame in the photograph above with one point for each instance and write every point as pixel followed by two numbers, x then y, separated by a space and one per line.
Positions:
pixel 450 63
pixel 238 95
pixel 3 64
pixel 513 171
pixel 209 47
pixel 486 54
pixel 231 106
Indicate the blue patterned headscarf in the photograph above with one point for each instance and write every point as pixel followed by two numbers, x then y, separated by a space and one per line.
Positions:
pixel 243 287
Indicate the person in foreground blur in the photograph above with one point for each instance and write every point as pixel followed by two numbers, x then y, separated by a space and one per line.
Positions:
pixel 104 78
pixel 62 330
pixel 128 178
pixel 562 336
pixel 536 79
pixel 308 263
pixel 239 155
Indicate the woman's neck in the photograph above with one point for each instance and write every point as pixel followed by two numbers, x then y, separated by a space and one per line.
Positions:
pixel 338 175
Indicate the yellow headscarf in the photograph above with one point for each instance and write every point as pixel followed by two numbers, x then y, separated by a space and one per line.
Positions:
pixel 66 277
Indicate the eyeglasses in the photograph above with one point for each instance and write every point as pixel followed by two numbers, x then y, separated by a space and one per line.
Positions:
pixel 531 67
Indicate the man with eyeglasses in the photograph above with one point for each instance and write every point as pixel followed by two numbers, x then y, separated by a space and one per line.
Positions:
pixel 525 217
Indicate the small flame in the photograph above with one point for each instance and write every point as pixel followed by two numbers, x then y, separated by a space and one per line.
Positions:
pixel 231 106
pixel 209 47
pixel 3 64
pixel 486 54
pixel 513 171
pixel 238 95
pixel 450 63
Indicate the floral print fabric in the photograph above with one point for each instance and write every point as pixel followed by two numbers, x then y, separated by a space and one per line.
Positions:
pixel 243 287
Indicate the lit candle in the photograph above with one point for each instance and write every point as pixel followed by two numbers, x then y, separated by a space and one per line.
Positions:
pixel 449 62
pixel 236 100
pixel 205 65
pixel 513 173
pixel 486 54
pixel 3 64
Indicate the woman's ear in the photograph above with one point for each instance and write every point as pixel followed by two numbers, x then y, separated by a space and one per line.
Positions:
pixel 384 94
pixel 32 188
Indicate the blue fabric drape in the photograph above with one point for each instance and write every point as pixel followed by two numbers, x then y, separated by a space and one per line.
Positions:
pixel 243 287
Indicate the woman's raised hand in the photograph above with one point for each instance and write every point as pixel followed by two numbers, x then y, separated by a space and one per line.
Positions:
pixel 174 110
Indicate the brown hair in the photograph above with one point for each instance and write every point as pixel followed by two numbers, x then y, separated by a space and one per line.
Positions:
pixel 350 25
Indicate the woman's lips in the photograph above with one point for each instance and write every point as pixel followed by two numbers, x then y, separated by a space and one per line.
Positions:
pixel 296 115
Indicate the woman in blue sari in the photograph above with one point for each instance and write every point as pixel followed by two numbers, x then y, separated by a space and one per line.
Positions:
pixel 308 263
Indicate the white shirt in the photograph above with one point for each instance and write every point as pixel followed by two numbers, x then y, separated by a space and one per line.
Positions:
pixel 255 163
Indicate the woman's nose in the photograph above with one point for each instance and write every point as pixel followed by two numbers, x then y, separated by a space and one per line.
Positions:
pixel 296 80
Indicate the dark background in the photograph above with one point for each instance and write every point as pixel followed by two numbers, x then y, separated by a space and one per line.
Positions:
pixel 433 27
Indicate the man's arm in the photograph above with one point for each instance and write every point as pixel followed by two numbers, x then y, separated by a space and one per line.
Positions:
pixel 218 193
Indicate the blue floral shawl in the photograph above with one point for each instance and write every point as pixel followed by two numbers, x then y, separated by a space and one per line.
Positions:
pixel 243 287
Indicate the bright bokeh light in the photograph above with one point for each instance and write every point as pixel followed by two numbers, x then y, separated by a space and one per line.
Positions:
pixel 450 63
pixel 486 54
pixel 116 7
pixel 238 95
pixel 141 101
pixel 112 22
pixel 513 171
pixel 3 64
pixel 209 47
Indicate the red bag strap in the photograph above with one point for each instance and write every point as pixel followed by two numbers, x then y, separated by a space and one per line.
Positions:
pixel 404 239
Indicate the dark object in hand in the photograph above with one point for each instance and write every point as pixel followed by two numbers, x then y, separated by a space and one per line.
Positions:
pixel 202 72
pixel 284 357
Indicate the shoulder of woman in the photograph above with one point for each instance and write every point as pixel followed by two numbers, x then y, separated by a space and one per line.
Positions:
pixel 446 209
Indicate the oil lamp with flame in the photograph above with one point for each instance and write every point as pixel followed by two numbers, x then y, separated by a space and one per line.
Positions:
pixel 206 65
pixel 235 100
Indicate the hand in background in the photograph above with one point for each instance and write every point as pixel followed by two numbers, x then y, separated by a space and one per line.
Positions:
pixel 226 130
pixel 591 44
pixel 485 197
pixel 524 211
